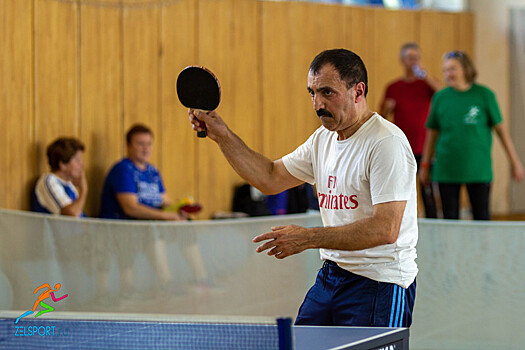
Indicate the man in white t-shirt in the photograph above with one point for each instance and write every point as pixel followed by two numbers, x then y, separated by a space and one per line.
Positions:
pixel 365 174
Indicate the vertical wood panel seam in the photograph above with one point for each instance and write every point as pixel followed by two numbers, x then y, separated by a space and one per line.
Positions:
pixel 160 60
pixel 260 77
pixel 196 38
pixel 122 86
pixel 418 28
pixel 457 25
pixel 79 70
pixel 33 86
pixel 31 109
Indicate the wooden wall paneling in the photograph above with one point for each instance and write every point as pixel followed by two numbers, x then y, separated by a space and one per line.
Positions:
pixel 391 29
pixel 141 51
pixel 326 25
pixel 359 34
pixel 91 71
pixel 359 38
pixel 56 74
pixel 278 80
pixel 228 45
pixel 466 33
pixel 101 95
pixel 439 33
pixel 178 46
pixel 288 50
pixel 17 157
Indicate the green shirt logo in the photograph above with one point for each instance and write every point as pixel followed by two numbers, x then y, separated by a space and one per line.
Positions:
pixel 472 116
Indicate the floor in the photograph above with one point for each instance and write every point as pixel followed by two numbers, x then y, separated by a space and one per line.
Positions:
pixel 509 217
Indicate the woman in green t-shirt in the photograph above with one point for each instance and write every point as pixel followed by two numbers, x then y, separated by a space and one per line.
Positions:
pixel 460 125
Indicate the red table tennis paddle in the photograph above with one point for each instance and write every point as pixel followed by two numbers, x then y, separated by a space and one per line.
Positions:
pixel 198 88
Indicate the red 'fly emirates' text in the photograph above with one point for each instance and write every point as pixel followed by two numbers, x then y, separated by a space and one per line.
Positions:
pixel 337 201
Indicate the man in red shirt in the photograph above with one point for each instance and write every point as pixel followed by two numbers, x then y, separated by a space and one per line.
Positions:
pixel 406 103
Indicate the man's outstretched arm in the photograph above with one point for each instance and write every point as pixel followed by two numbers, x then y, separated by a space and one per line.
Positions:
pixel 270 177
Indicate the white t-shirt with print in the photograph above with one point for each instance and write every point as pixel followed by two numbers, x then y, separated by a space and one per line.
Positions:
pixel 375 165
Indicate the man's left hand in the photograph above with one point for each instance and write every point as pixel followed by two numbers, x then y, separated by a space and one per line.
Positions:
pixel 285 241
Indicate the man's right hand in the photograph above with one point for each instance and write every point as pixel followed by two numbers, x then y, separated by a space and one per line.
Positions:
pixel 215 126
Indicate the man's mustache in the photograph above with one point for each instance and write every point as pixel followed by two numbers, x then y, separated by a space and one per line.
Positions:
pixel 324 113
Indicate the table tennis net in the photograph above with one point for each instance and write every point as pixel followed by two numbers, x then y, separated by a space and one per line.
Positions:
pixel 131 266
pixel 82 331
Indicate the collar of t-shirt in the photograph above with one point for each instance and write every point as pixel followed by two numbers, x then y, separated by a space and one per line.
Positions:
pixel 362 128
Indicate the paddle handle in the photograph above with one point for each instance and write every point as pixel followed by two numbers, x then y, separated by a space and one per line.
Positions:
pixel 202 133
pixel 202 125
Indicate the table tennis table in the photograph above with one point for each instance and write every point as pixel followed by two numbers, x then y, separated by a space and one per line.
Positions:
pixel 147 332
pixel 354 338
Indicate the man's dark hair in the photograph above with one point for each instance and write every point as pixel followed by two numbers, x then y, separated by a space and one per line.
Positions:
pixel 137 129
pixel 62 150
pixel 350 66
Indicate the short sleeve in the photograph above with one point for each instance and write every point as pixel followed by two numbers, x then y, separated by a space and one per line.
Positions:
pixel 392 171
pixel 51 194
pixel 300 162
pixel 493 111
pixel 122 179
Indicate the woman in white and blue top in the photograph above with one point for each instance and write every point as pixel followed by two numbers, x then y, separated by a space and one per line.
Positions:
pixel 62 191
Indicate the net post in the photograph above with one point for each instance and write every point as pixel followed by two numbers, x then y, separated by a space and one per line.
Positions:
pixel 284 326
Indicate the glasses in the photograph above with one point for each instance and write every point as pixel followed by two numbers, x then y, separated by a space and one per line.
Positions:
pixel 454 54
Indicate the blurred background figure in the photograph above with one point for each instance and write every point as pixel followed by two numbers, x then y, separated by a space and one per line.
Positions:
pixel 460 126
pixel 249 200
pixel 133 189
pixel 406 103
pixel 64 189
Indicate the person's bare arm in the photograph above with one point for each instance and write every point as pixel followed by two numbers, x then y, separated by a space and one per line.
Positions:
pixel 77 207
pixel 387 109
pixel 166 200
pixel 382 228
pixel 428 152
pixel 508 145
pixel 433 82
pixel 270 177
pixel 131 207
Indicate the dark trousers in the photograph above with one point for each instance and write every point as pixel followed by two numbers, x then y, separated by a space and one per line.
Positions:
pixel 342 298
pixel 427 193
pixel 479 196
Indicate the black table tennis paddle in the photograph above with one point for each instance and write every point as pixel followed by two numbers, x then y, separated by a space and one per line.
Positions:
pixel 198 88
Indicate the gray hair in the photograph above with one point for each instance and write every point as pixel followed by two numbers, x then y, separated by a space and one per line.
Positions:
pixel 406 46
